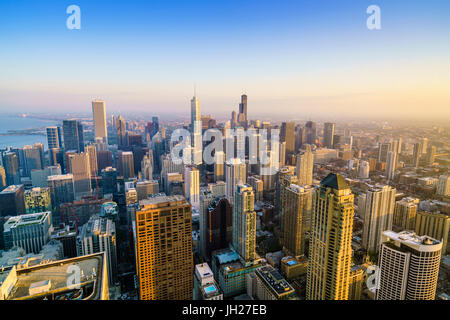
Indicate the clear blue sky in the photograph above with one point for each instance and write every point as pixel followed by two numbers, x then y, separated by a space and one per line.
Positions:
pixel 306 57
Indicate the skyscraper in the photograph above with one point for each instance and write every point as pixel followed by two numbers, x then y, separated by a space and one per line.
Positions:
pixel 330 251
pixel 405 213
pixel 297 208
pixel 121 131
pixel 218 226
pixel 219 174
pixel 242 116
pixel 192 186
pixel 443 186
pixel 11 163
pixel 287 134
pixel 73 135
pixel 12 201
pixel 378 213
pixel 54 138
pixel 99 114
pixel 235 173
pixel 310 132
pixel 409 266
pixel 126 164
pixel 416 155
pixel 244 222
pixel 305 166
pixel 2 178
pixel 435 225
pixel 391 165
pixel 93 163
pixel 80 168
pixel 99 235
pixel 164 260
pixel 61 189
pixel 34 158
pixel 328 135
pixel 196 130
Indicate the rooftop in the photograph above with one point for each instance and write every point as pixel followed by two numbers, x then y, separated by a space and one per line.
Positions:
pixel 26 220
pixel 334 181
pixel 59 275
pixel 273 279
pixel 11 189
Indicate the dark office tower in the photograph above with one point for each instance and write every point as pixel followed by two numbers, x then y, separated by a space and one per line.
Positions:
pixel 219 230
pixel 287 135
pixel 12 201
pixel 104 159
pixel 134 139
pixel 73 135
pixel 54 138
pixel 126 164
pixel 242 117
pixel 138 154
pixel 155 126
pixel 383 149
pixel 11 163
pixel 311 132
pixel 328 135
pixel 121 131
pixel 300 138
pixel 61 189
pixel 34 158
pixel 109 180
pixel 56 156
pixel 233 119
pixel 416 155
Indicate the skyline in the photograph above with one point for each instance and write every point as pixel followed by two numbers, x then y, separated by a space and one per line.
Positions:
pixel 314 59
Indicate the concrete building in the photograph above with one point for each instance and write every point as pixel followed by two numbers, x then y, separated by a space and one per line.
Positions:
pixel 53 281
pixel 205 287
pixel 37 200
pixel 99 115
pixel 305 166
pixel 443 186
pixel 378 213
pixel 192 186
pixel 99 235
pixel 30 231
pixel 126 164
pixel 435 225
pixel 61 189
pixel 80 168
pixel 12 201
pixel 235 172
pixel 146 188
pixel 244 223
pixel 330 253
pixel 409 266
pixel 297 208
pixel 405 213
pixel 270 285
pixel 163 239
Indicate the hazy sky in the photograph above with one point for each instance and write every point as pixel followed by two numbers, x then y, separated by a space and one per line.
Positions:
pixel 304 58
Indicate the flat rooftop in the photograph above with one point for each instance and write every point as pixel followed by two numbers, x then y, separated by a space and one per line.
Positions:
pixel 163 201
pixel 59 278
pixel 25 220
pixel 274 280
pixel 11 189
pixel 410 239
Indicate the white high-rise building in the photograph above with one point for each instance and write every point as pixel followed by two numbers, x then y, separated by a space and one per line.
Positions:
pixel 409 266
pixel 378 213
pixel 196 130
pixel 305 166
pixel 391 164
pixel 244 222
pixel 192 186
pixel 364 170
pixel 235 173
pixel 99 113
pixel 443 186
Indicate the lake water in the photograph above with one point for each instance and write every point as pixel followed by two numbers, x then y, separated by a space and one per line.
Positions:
pixel 11 122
